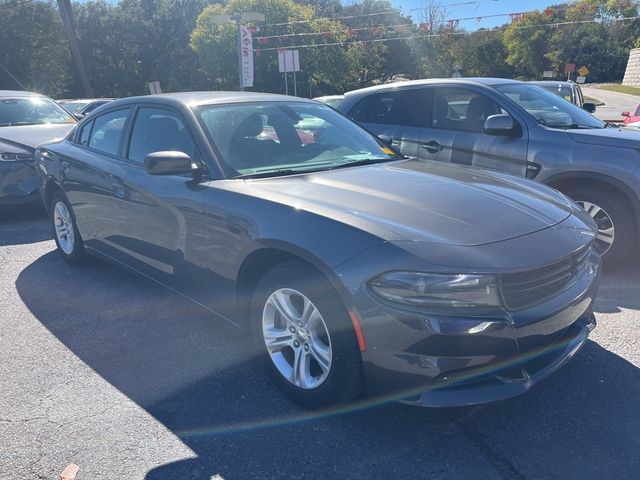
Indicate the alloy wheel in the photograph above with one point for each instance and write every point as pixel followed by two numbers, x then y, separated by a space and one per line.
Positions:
pixel 606 228
pixel 297 338
pixel 64 227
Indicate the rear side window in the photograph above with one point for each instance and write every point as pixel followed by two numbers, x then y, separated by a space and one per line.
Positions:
pixel 107 131
pixel 401 107
pixel 85 132
pixel 158 130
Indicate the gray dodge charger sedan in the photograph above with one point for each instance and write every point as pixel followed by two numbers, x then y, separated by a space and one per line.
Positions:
pixel 352 268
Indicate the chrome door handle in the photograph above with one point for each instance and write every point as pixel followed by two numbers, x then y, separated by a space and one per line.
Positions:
pixel 432 146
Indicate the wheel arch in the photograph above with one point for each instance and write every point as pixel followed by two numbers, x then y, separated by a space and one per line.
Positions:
pixel 268 256
pixel 564 182
pixel 50 187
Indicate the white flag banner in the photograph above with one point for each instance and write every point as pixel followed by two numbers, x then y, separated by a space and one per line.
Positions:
pixel 247 57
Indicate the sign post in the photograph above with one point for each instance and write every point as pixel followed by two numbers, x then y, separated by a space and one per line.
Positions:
pixel 289 61
pixel 569 68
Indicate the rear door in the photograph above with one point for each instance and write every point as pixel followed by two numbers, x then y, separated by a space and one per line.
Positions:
pixel 90 175
pixel 455 133
pixel 399 114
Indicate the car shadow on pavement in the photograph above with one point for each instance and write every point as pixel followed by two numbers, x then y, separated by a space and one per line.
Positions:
pixel 24 225
pixel 197 376
pixel 620 288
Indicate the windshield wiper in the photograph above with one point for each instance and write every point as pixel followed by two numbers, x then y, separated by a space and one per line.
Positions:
pixel 271 173
pixel 365 161
pixel 573 126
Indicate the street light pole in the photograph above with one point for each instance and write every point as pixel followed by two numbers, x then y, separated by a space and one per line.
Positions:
pixel 237 19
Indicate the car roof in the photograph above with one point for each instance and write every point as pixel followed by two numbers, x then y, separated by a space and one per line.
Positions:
pixel 194 99
pixel 19 94
pixel 435 81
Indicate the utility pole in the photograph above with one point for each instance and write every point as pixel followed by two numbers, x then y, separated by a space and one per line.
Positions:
pixel 69 27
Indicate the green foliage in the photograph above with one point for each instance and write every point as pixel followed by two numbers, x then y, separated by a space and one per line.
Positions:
pixel 33 52
pixel 128 43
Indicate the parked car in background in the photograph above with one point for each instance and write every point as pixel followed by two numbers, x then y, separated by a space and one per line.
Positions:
pixel 570 91
pixel 517 128
pixel 352 267
pixel 81 107
pixel 331 100
pixel 26 120
pixel 630 119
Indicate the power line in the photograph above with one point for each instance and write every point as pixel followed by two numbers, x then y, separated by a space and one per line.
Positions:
pixel 444 34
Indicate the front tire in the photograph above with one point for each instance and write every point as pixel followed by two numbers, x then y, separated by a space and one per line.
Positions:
pixel 305 336
pixel 65 231
pixel 615 220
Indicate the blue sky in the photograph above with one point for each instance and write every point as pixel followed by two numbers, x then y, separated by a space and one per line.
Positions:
pixel 480 8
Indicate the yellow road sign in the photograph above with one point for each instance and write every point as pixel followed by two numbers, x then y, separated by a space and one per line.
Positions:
pixel 583 71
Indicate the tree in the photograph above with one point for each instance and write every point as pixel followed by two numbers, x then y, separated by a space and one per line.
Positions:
pixel 288 24
pixel 34 54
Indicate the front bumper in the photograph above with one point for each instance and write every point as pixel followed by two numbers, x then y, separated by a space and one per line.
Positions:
pixel 515 378
pixel 440 361
pixel 18 184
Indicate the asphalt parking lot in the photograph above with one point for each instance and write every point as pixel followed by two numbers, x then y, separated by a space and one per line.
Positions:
pixel 130 381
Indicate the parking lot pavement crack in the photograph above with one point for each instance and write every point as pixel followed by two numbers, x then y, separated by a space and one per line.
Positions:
pixel 501 463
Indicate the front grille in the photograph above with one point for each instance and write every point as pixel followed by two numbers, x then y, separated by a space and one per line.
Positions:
pixel 524 289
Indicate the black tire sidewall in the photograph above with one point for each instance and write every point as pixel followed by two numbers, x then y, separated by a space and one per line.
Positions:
pixel 621 216
pixel 344 381
pixel 77 256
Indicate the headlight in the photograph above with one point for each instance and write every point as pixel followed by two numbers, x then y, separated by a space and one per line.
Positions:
pixel 437 293
pixel 16 157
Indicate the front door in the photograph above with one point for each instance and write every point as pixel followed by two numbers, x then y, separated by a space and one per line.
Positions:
pixel 165 231
pixel 455 132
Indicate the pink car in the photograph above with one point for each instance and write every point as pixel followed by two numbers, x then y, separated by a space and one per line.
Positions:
pixel 628 118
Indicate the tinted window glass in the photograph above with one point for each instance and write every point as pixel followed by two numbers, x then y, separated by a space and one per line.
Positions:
pixel 462 109
pixel 359 111
pixel 157 130
pixel 401 107
pixel 83 139
pixel 107 131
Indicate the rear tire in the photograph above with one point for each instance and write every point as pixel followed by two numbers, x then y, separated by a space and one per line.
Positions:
pixel 614 217
pixel 65 232
pixel 313 354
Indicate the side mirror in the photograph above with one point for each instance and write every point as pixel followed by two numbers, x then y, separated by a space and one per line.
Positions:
pixel 501 124
pixel 626 114
pixel 386 139
pixel 589 107
pixel 168 163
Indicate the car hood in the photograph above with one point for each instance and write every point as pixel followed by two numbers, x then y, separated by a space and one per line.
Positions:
pixel 31 136
pixel 422 201
pixel 608 137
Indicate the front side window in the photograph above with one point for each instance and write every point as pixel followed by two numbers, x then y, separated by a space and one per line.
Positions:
pixel 264 138
pixel 107 131
pixel 158 130
pixel 548 109
pixel 462 109
pixel 32 111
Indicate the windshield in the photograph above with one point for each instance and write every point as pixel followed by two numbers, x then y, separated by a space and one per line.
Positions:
pixel 31 111
pixel 275 138
pixel 560 90
pixel 547 108
pixel 73 107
